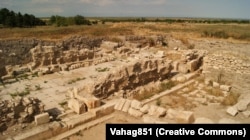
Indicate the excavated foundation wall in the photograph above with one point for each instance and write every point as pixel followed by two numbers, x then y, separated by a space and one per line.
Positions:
pixel 42 53
pixel 131 76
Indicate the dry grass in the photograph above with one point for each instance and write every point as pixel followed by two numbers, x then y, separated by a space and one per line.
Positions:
pixel 55 33
pixel 179 31
pixel 145 95
pixel 231 99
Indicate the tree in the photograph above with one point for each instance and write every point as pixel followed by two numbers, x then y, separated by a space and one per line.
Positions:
pixel 26 20
pixel 3 14
pixel 52 20
pixel 79 20
pixel 12 19
pixel 19 20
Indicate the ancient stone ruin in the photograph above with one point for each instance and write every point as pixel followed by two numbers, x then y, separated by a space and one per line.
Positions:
pixel 19 110
pixel 59 86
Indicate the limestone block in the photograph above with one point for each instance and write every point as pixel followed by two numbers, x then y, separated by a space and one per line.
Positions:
pixel 232 111
pixel 126 106
pixel 134 112
pixel 109 108
pixel 175 65
pixel 56 127
pixel 161 54
pixel 160 112
pixel 182 68
pixel 42 118
pixel 246 113
pixel 78 106
pixel 92 102
pixel 152 109
pixel 242 104
pixel 55 68
pixel 216 85
pixel 225 88
pixel 30 109
pixel 136 104
pixel 193 65
pixel 144 109
pixel 181 79
pixel 207 82
pixel 120 103
pixel 185 117
pixel 26 101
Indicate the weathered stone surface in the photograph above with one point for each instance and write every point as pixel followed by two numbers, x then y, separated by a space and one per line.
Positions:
pixel 242 104
pixel 208 82
pixel 182 68
pixel 246 113
pixel 185 117
pixel 144 109
pixel 78 106
pixel 136 104
pixel 152 109
pixel 225 88
pixel 42 118
pixel 180 116
pixel 216 85
pixel 120 103
pixel 232 111
pixel 91 102
pixel 126 106
pixel 160 112
pixel 171 113
pixel 193 65
pixel 135 112
pixel 181 79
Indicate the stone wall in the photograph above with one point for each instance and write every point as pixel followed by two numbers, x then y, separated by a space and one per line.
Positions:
pixel 133 75
pixel 17 51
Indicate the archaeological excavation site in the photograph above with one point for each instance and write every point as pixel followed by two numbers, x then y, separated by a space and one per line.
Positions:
pixel 70 88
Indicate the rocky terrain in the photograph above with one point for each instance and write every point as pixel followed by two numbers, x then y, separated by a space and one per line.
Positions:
pixel 68 87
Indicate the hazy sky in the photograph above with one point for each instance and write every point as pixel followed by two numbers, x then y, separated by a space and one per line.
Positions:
pixel 140 8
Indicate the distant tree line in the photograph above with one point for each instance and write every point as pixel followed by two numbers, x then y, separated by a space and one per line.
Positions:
pixel 11 19
pixel 177 20
pixel 65 21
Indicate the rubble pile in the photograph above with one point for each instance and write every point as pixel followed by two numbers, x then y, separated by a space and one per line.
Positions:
pixel 19 110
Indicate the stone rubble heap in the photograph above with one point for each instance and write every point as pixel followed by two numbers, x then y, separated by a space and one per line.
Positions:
pixel 227 63
pixel 19 110
pixel 152 113
pixel 240 107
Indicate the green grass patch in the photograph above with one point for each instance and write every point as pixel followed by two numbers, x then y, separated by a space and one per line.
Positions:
pixel 75 80
pixel 102 69
pixel 22 93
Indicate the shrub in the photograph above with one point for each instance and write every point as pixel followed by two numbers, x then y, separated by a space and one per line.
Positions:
pixel 158 102
pixel 190 46
pixel 102 69
pixel 166 86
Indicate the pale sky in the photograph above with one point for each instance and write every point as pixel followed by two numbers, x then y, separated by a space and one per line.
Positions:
pixel 132 8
